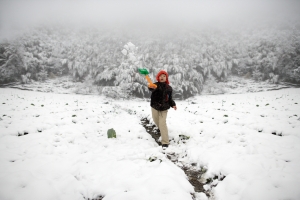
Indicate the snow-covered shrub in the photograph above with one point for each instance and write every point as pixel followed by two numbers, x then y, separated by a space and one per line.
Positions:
pixel 87 87
pixel 25 78
pixel 257 75
pixel 42 75
pixel 10 63
pixel 212 87
pixel 114 92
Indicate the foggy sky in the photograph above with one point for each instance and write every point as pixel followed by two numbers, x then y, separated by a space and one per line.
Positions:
pixel 154 13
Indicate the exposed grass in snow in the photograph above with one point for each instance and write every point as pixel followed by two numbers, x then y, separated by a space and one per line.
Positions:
pixel 55 146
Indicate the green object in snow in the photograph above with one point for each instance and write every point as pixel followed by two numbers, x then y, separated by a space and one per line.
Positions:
pixel 143 71
pixel 111 133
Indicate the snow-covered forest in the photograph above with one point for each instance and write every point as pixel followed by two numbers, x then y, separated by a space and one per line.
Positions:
pixel 271 54
pixel 193 56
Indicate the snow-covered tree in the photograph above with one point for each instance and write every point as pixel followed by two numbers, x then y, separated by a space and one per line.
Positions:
pixel 190 57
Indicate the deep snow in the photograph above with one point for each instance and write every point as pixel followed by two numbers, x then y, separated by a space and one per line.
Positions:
pixel 54 146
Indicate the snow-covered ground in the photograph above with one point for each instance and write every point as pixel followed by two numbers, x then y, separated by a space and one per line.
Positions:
pixel 55 146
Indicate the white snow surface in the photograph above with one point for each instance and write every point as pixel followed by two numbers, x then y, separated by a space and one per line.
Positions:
pixel 55 147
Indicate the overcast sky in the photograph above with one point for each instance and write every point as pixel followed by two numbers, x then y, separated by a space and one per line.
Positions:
pixel 17 13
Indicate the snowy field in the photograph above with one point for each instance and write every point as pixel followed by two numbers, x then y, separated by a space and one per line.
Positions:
pixel 55 147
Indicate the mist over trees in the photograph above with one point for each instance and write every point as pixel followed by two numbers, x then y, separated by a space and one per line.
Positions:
pixel 194 55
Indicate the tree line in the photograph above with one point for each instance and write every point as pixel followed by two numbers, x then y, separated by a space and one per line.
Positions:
pixel 110 58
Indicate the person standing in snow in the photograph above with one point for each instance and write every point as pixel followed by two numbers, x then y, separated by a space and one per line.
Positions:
pixel 161 101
